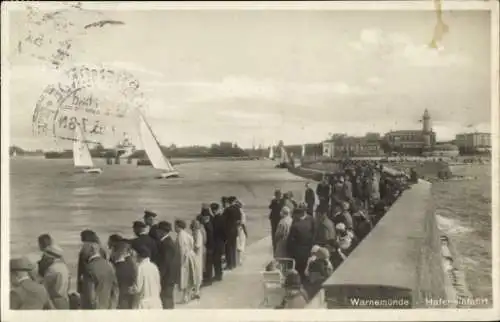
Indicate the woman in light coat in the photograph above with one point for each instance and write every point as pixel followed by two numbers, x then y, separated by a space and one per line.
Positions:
pixel 185 261
pixel 241 240
pixel 282 232
pixel 199 255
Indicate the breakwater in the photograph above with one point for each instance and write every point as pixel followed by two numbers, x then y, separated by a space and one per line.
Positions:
pixel 405 261
pixel 402 254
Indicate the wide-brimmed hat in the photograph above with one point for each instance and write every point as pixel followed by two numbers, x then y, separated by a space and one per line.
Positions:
pixel 54 251
pixel 21 264
pixel 138 224
pixel 340 226
pixel 323 253
pixel 165 226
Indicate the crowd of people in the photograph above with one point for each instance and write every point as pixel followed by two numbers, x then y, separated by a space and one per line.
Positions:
pixel 136 273
pixel 143 272
pixel 320 232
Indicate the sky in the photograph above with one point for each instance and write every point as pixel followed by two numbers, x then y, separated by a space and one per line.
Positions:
pixel 260 76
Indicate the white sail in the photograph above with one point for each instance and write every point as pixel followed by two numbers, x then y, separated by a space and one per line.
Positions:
pixel 271 152
pixel 81 153
pixel 152 147
pixel 284 156
pixel 303 150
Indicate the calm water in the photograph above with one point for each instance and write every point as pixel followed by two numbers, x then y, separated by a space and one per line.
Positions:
pixel 47 196
pixel 464 214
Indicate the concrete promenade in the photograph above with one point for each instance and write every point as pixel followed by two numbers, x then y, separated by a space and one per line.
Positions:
pixel 241 288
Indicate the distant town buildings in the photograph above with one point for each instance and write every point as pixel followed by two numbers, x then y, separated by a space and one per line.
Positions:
pixel 475 142
pixel 406 142
pixel 349 146
pixel 413 142
pixel 311 149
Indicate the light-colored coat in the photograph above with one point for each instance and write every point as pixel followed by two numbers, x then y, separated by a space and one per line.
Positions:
pixel 57 281
pixel 199 253
pixel 148 285
pixel 241 240
pixel 185 261
pixel 281 237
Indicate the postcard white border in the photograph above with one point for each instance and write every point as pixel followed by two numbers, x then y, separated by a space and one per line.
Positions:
pixel 260 315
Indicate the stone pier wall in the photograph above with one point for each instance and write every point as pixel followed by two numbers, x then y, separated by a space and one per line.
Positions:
pixel 398 265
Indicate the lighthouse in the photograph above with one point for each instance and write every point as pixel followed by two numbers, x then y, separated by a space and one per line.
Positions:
pixel 427 130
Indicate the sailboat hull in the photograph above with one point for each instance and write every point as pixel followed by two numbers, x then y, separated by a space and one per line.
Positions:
pixel 93 170
pixel 168 175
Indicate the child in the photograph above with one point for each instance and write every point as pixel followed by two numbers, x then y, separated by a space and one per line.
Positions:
pixel 318 271
pixel 295 297
pixel 273 266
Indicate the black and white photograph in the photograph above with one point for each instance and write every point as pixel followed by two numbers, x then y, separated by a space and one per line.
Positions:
pixel 297 160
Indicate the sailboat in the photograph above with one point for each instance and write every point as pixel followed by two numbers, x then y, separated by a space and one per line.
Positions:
pixel 284 159
pixel 271 152
pixel 81 153
pixel 153 150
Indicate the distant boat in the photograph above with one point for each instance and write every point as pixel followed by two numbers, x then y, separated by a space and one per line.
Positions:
pixel 153 150
pixel 81 153
pixel 284 159
pixel 271 152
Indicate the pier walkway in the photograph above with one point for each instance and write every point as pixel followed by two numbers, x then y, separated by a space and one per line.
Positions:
pixel 241 288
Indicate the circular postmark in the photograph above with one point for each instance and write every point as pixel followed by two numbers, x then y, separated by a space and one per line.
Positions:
pixel 95 98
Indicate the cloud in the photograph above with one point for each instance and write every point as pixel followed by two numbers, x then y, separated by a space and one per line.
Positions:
pixel 246 87
pixel 398 48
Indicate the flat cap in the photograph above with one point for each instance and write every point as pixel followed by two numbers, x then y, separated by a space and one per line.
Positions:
pixel 148 213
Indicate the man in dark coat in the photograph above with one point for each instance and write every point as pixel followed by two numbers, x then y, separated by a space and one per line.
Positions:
pixel 99 285
pixel 26 294
pixel 44 241
pixel 144 239
pixel 232 217
pixel 300 238
pixel 310 198
pixel 166 264
pixel 126 275
pixel 323 192
pixel 324 229
pixel 149 220
pixel 219 231
pixel 275 214
pixel 206 219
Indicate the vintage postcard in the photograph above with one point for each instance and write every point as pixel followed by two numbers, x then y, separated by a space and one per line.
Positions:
pixel 250 161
